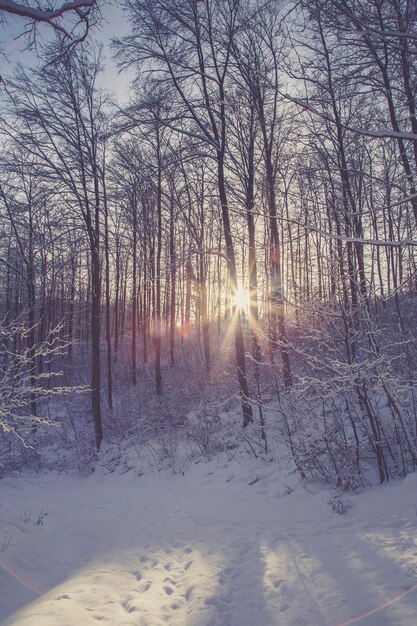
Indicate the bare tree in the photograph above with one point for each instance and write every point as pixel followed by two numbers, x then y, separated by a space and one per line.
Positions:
pixel 60 117
pixel 190 43
pixel 81 14
pixel 259 66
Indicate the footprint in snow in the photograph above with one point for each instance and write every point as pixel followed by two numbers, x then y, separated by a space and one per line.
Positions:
pixel 128 607
pixel 168 590
pixel 187 594
pixel 277 583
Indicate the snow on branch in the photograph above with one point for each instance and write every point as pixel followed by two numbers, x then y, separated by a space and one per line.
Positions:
pixel 211 251
pixel 377 134
pixel 84 13
pixel 82 8
pixel 20 384
pixel 369 242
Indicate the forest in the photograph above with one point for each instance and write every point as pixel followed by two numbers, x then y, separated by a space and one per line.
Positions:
pixel 224 258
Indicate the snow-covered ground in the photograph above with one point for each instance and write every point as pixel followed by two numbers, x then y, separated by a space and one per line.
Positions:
pixel 229 543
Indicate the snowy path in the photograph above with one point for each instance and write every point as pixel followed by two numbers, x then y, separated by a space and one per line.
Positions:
pixel 205 549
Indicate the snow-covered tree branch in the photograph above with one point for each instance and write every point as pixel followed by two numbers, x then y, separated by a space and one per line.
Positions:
pixel 70 20
pixel 38 14
pixel 19 387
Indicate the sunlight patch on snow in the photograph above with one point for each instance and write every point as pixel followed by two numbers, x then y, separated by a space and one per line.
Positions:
pixel 398 548
pixel 146 588
pixel 288 591
pixel 393 544
pixel 208 548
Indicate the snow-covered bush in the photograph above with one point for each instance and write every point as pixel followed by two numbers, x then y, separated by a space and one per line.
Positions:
pixel 351 414
pixel 340 505
pixel 29 381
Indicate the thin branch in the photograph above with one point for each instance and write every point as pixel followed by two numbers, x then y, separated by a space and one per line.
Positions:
pixel 39 15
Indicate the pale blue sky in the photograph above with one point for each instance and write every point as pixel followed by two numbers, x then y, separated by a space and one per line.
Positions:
pixel 114 25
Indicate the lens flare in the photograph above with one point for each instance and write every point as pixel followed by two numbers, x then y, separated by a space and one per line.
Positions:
pixel 241 299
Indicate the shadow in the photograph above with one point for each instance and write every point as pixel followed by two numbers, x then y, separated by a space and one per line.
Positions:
pixel 14 591
pixel 143 558
pixel 145 554
pixel 337 575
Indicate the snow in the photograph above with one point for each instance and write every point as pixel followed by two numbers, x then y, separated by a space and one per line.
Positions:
pixel 234 542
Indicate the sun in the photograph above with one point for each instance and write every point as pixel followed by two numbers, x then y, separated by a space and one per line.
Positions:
pixel 241 299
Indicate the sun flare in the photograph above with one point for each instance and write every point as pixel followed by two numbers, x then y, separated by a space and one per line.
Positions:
pixel 241 299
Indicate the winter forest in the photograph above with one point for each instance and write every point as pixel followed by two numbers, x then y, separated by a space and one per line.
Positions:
pixel 211 274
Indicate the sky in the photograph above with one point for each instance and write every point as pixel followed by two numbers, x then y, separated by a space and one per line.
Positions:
pixel 12 44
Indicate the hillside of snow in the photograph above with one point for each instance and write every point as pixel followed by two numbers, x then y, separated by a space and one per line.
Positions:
pixel 228 543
